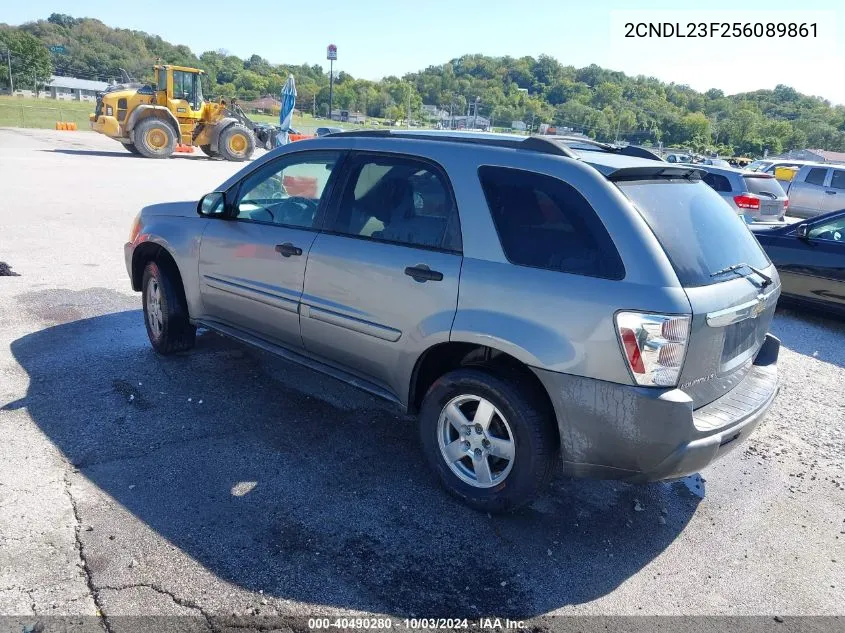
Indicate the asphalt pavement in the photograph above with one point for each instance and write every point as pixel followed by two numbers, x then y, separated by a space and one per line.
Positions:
pixel 223 483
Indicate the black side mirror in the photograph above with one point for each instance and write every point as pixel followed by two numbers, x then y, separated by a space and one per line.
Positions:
pixel 212 204
pixel 803 231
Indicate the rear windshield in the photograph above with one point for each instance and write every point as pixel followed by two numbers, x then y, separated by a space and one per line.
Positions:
pixel 766 186
pixel 698 230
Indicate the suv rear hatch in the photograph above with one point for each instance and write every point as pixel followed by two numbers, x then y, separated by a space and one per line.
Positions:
pixel 769 191
pixel 715 257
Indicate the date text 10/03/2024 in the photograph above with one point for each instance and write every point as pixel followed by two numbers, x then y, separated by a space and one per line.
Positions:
pixel 381 623
pixel 775 30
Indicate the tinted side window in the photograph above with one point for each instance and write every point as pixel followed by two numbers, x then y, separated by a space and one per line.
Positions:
pixel 718 182
pixel 398 199
pixel 838 179
pixel 546 223
pixel 816 176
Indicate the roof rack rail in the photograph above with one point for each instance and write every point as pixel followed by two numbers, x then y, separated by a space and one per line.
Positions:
pixel 625 150
pixel 544 145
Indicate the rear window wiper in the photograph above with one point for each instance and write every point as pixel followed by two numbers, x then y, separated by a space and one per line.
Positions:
pixel 767 281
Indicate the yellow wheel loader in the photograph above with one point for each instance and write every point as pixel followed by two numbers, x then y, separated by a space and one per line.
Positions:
pixel 151 120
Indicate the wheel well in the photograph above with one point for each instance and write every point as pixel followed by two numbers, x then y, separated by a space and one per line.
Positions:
pixel 156 114
pixel 441 359
pixel 150 252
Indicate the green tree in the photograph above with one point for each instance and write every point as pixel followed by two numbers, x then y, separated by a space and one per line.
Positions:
pixel 30 59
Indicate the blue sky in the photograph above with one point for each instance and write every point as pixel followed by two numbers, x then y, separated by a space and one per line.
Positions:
pixel 377 38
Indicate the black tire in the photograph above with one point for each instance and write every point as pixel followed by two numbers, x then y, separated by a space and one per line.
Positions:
pixel 155 138
pixel 534 429
pixel 131 149
pixel 230 141
pixel 176 334
pixel 206 149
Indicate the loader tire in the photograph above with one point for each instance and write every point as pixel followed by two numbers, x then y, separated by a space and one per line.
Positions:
pixel 155 138
pixel 236 143
pixel 131 149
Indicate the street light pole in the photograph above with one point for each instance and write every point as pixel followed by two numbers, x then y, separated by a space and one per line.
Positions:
pixel 9 60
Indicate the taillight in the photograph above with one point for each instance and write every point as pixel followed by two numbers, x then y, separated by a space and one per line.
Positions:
pixel 747 202
pixel 654 345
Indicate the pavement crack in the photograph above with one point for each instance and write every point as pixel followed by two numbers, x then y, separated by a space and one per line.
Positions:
pixel 182 602
pixel 95 595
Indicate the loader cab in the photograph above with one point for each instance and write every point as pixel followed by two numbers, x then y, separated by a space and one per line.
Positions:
pixel 180 88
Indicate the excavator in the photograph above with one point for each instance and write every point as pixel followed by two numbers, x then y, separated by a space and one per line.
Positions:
pixel 151 120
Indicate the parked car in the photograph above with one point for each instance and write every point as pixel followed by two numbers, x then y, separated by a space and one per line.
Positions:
pixel 756 196
pixel 322 131
pixel 774 167
pixel 715 162
pixel 528 303
pixel 817 189
pixel 810 258
pixel 678 158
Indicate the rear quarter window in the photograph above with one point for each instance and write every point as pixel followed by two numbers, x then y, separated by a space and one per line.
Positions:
pixel 544 222
pixel 699 232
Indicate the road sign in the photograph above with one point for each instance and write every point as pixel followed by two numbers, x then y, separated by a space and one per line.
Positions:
pixel 57 49
pixel 331 52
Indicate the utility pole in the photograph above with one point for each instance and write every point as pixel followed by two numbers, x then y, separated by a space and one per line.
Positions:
pixel 408 118
pixel 9 60
pixel 475 118
pixel 314 107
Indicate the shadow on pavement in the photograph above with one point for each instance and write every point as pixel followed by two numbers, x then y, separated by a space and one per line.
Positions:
pixel 273 489
pixel 119 153
pixel 811 334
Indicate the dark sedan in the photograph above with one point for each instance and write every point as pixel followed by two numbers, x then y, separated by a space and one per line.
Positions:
pixel 810 258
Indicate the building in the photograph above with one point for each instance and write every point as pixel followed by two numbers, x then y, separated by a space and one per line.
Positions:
pixel 263 105
pixel 348 117
pixel 468 122
pixel 73 89
pixel 519 126
pixel 434 113
pixel 815 155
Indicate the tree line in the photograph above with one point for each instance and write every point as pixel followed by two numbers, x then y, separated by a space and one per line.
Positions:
pixel 604 104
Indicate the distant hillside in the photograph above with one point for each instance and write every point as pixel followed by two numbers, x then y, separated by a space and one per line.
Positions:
pixel 603 103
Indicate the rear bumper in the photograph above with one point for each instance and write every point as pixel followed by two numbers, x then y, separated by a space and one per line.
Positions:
pixel 623 432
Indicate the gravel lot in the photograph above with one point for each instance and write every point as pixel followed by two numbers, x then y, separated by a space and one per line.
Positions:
pixel 225 483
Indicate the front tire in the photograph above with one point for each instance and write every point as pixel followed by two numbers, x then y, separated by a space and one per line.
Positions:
pixel 131 148
pixel 155 138
pixel 492 441
pixel 236 143
pixel 165 310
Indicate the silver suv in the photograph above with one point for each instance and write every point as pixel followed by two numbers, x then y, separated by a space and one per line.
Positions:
pixel 757 196
pixel 532 305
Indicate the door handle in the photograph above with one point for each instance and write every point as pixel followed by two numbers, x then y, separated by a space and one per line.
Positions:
pixel 423 273
pixel 830 193
pixel 287 249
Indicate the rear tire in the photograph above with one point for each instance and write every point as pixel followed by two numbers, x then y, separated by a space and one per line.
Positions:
pixel 165 310
pixel 518 425
pixel 155 138
pixel 131 149
pixel 236 143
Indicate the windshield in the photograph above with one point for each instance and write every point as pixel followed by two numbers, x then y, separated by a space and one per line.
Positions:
pixel 759 165
pixel 699 232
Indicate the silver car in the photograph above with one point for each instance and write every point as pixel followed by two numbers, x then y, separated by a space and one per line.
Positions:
pixel 534 306
pixel 754 195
